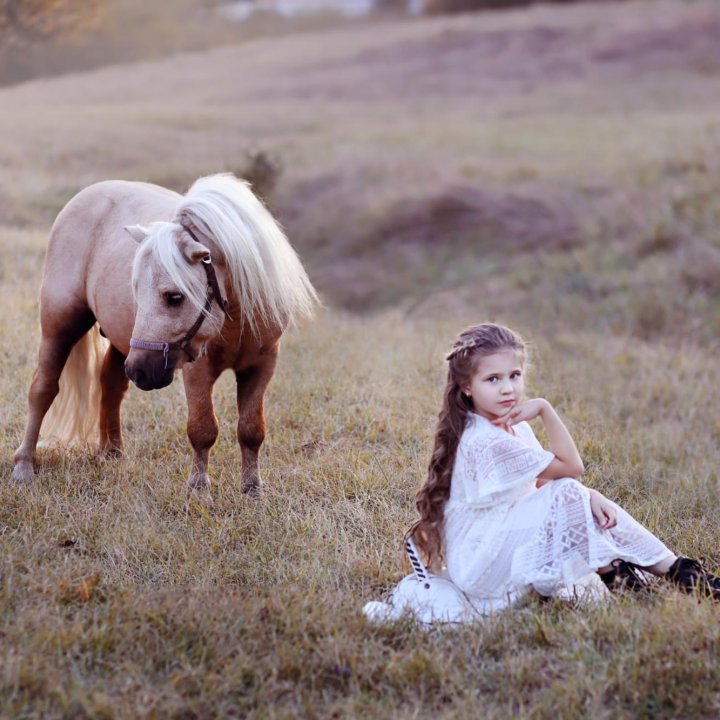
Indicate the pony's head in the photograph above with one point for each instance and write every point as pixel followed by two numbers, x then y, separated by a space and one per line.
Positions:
pixel 180 302
pixel 256 264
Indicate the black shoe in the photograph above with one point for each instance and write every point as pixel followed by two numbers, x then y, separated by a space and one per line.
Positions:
pixel 691 577
pixel 624 576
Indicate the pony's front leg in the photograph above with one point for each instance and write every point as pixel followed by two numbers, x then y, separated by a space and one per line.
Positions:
pixel 202 425
pixel 251 385
pixel 114 383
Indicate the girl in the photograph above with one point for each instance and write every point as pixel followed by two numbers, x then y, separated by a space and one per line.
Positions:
pixel 504 515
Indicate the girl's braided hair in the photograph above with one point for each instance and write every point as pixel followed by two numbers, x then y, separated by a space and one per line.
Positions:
pixel 469 348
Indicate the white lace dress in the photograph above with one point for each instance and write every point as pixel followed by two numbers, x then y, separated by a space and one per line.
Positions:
pixel 503 536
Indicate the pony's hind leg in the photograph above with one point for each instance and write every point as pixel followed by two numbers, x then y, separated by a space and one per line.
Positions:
pixel 52 355
pixel 251 386
pixel 202 425
pixel 114 383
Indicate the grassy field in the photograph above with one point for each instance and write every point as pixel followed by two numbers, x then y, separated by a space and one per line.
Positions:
pixel 556 169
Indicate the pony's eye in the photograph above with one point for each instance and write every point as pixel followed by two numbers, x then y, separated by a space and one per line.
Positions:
pixel 174 299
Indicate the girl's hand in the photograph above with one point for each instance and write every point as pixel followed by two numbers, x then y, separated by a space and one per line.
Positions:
pixel 526 410
pixel 604 511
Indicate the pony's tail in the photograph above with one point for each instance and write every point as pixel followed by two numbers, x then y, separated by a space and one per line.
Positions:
pixel 74 416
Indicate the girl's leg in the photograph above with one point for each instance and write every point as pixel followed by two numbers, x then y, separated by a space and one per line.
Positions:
pixel 569 540
pixel 661 568
pixel 687 574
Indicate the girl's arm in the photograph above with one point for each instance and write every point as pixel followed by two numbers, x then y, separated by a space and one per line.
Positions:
pixel 567 462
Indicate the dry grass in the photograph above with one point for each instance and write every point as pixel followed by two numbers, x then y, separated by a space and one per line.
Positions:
pixel 118 600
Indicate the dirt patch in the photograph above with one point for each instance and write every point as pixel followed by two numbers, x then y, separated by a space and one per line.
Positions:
pixel 467 217
pixel 426 241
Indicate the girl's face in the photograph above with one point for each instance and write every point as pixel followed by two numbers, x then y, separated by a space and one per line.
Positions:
pixel 497 384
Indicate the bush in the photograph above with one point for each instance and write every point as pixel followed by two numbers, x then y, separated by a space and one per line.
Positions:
pixel 124 30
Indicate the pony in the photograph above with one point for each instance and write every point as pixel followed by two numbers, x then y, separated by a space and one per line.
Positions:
pixel 140 282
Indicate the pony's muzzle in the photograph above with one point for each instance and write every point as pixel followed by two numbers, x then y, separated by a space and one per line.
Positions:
pixel 151 370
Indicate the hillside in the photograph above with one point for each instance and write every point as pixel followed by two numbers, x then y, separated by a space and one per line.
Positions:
pixel 440 147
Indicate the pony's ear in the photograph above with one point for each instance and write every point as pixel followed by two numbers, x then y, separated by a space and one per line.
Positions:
pixel 193 251
pixel 137 232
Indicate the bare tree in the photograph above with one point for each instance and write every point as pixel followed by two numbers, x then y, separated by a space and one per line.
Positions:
pixel 24 22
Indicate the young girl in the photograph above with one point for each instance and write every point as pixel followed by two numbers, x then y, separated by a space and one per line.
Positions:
pixel 505 515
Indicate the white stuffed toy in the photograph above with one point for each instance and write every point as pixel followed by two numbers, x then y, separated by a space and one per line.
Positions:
pixel 432 598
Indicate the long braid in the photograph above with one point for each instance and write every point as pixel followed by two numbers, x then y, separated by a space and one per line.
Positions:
pixel 471 345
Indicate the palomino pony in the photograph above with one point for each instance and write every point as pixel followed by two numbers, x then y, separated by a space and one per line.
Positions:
pixel 208 282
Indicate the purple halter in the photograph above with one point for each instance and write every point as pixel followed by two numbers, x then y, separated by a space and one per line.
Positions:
pixel 213 293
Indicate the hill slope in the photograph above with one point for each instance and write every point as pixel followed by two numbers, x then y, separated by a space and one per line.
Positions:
pixel 425 153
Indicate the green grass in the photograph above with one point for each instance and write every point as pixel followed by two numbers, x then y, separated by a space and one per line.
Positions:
pixel 118 599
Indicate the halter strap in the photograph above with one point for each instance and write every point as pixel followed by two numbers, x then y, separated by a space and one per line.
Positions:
pixel 213 293
pixel 213 284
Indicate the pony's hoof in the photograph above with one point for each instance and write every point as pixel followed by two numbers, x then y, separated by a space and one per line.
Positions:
pixel 202 496
pixel 199 489
pixel 22 472
pixel 252 489
pixel 111 453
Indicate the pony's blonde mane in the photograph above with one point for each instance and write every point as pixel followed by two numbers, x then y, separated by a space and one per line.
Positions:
pixel 264 273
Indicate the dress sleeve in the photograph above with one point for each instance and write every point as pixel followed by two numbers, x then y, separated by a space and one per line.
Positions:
pixel 501 464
